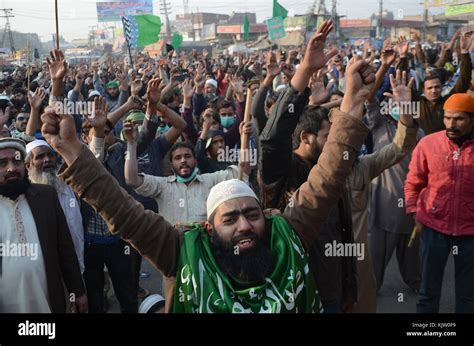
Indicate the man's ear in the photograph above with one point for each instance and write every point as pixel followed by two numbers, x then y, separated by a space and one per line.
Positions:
pixel 208 227
pixel 304 137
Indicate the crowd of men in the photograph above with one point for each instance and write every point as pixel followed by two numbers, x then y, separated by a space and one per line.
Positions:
pixel 270 182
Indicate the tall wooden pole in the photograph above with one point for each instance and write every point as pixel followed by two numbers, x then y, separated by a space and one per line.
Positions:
pixel 57 23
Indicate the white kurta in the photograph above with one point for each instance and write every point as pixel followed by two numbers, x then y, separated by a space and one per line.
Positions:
pixel 23 285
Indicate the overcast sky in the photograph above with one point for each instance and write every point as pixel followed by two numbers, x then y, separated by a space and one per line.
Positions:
pixel 76 16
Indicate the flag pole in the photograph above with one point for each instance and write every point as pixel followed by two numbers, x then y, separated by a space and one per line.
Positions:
pixel 130 54
pixel 128 43
pixel 57 23
pixel 28 49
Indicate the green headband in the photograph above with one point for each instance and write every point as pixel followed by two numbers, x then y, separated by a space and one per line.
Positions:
pixel 135 116
pixel 112 84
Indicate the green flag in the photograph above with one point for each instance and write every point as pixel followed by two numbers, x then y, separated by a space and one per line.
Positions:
pixel 141 30
pixel 279 10
pixel 276 29
pixel 246 28
pixel 176 40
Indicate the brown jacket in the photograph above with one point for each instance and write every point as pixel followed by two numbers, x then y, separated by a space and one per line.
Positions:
pixel 160 243
pixel 59 256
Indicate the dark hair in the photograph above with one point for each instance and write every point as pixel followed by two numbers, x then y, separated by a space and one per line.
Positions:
pixel 310 122
pixel 337 92
pixel 179 145
pixel 433 76
pixel 86 126
pixel 271 99
pixel 225 104
pixel 431 56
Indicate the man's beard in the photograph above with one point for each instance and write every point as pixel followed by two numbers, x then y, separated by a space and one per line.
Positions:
pixel 315 152
pixel 251 266
pixel 14 189
pixel 48 177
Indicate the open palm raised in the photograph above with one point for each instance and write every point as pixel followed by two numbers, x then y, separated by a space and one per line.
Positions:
pixel 57 65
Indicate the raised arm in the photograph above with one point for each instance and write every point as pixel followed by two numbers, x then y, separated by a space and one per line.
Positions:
pixel 463 84
pixel 311 203
pixel 276 137
pixel 35 102
pixel 147 231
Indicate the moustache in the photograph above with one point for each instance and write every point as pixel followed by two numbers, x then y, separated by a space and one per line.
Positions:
pixel 248 235
pixel 12 175
pixel 453 130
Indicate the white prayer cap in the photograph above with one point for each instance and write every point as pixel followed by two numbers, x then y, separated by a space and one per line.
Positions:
pixel 225 191
pixel 13 143
pixel 94 93
pixel 280 88
pixel 212 82
pixel 35 144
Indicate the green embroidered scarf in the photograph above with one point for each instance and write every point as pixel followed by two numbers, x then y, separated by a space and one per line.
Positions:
pixel 201 287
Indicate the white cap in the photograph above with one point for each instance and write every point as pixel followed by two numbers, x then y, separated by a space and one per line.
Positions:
pixel 149 302
pixel 225 191
pixel 212 82
pixel 94 93
pixel 35 144
pixel 281 88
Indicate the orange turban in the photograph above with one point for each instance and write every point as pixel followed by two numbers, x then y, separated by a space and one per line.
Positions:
pixel 460 103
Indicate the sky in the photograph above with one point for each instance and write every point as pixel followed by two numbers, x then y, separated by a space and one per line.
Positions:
pixel 77 16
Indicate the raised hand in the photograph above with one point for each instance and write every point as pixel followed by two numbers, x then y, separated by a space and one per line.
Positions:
pixel 37 98
pixel 401 90
pixel 402 46
pixel 288 70
pixel 273 69
pixel 360 78
pixel 315 57
pixel 57 65
pixel 136 87
pixel 319 93
pixel 130 132
pixel 188 89
pixel 388 55
pixel 154 91
pixel 98 118
pixel 80 77
pixel 466 42
pixel 401 95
